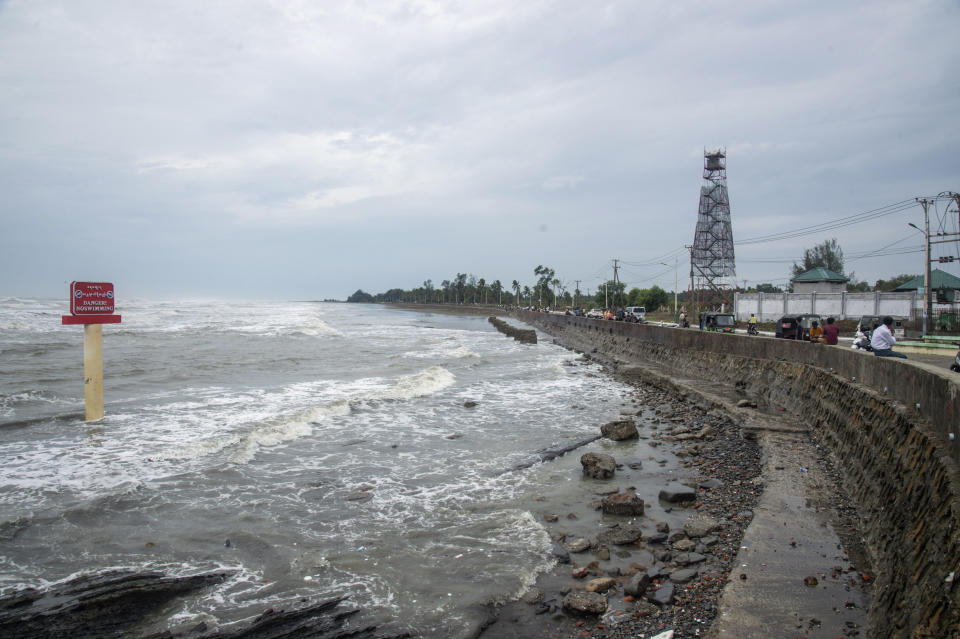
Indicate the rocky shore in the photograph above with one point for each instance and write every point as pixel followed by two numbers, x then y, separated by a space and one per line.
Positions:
pixel 639 576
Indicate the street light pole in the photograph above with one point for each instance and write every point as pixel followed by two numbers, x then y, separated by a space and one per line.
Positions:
pixel 927 310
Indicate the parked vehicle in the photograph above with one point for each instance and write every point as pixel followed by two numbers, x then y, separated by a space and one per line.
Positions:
pixel 595 313
pixel 955 367
pixel 796 326
pixel 786 327
pixel 717 322
pixel 636 313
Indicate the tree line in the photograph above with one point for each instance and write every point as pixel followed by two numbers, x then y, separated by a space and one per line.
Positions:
pixel 548 290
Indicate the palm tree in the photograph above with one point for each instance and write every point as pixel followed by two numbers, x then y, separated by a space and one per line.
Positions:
pixel 497 288
pixel 516 287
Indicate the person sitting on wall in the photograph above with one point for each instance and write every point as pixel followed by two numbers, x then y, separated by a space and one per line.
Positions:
pixel 883 340
pixel 816 332
pixel 831 333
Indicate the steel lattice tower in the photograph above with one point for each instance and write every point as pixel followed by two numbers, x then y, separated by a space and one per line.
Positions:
pixel 711 256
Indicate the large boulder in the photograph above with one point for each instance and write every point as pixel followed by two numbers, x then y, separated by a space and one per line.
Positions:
pixel 622 504
pixel 585 603
pixel 598 465
pixel 620 430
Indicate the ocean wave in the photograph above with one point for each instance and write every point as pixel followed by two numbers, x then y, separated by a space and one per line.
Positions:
pixel 426 382
pixel 244 445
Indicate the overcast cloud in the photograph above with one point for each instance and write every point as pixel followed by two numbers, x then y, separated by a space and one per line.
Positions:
pixel 307 149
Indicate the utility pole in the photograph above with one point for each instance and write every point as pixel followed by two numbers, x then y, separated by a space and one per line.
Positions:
pixel 615 281
pixel 575 291
pixel 927 310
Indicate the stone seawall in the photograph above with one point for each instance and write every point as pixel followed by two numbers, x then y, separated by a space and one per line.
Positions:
pixel 889 425
pixel 525 335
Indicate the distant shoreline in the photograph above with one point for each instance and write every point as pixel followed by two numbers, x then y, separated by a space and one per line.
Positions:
pixel 449 309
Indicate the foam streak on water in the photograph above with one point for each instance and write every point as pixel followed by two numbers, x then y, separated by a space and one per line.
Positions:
pixel 329 443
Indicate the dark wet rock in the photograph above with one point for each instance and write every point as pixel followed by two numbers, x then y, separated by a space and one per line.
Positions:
pixel 635 465
pixel 361 495
pixel 683 575
pixel 685 558
pixel 637 585
pixel 324 620
pixel 746 403
pixel 585 603
pixel 547 454
pixel 663 555
pixel 532 596
pixel 657 538
pixel 469 404
pixel 621 534
pixel 602 553
pixel 658 570
pixel 620 430
pixel 663 527
pixel 109 603
pixel 560 553
pixel 550 518
pixel 623 504
pixel 453 436
pixel 675 495
pixel 700 526
pixel 663 595
pixel 598 465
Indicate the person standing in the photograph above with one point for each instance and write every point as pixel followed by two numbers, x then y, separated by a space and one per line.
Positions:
pixel 883 340
pixel 831 332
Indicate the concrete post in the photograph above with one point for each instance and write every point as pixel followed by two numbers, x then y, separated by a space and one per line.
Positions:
pixel 93 371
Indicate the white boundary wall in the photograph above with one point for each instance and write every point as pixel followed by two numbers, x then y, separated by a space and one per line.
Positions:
pixel 771 306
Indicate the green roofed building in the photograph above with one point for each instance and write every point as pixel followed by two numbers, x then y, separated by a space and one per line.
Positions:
pixel 820 280
pixel 940 282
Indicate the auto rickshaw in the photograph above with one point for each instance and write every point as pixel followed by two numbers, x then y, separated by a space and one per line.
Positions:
pixel 717 322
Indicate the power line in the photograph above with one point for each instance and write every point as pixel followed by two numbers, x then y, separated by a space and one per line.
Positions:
pixel 834 224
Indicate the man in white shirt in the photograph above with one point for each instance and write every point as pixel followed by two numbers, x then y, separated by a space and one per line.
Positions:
pixel 883 340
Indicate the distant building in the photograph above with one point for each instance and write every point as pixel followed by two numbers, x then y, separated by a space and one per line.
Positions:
pixel 820 280
pixel 944 285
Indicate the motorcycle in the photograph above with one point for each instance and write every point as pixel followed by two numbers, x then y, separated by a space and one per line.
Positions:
pixel 752 329
pixel 862 342
pixel 955 367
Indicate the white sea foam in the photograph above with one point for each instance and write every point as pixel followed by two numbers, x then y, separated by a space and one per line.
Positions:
pixel 426 382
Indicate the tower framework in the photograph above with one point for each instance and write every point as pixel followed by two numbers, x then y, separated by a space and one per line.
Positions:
pixel 712 263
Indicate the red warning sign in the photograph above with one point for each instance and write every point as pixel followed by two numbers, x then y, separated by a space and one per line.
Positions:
pixel 91 298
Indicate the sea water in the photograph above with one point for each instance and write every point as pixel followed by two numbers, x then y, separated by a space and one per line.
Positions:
pixel 312 448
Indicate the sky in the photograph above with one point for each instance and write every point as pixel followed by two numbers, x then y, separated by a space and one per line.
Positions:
pixel 304 150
